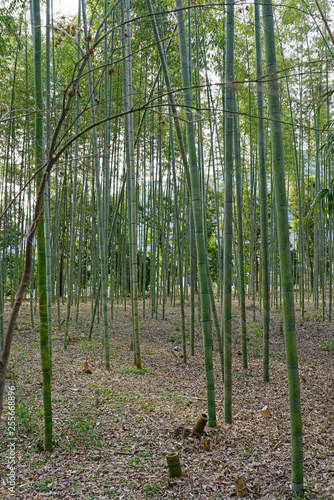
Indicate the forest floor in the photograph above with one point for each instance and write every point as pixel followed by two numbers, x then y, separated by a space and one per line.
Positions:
pixel 112 429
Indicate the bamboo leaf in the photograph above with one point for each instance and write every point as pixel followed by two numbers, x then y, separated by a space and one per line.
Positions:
pixel 320 195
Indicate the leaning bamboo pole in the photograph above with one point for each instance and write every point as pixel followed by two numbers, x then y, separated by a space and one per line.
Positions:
pixel 198 221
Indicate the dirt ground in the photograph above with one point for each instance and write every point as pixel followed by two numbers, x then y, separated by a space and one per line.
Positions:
pixel 112 429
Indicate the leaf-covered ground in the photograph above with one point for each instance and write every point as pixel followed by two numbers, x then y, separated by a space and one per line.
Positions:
pixel 112 429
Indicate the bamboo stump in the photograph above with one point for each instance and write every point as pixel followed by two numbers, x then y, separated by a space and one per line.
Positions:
pixel 266 412
pixel 242 490
pixel 205 443
pixel 201 423
pixel 174 466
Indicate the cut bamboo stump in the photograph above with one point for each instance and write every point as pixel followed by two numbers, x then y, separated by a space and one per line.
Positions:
pixel 266 412
pixel 205 443
pixel 201 423
pixel 242 490
pixel 174 466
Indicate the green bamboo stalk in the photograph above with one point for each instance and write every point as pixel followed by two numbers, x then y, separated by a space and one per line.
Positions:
pixel 300 216
pixel 43 311
pixel 330 217
pixel 317 239
pixel 240 236
pixel 192 283
pixel 47 189
pixel 228 199
pixel 74 203
pixel 178 240
pixel 128 102
pixel 5 268
pixel 83 202
pixel 99 201
pixel 111 235
pixel 263 197
pixel 284 246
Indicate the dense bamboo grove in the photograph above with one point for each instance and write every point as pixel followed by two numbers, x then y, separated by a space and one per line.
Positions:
pixel 168 161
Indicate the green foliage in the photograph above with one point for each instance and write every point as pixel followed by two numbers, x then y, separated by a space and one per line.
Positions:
pixel 320 196
pixel 153 490
pixel 9 28
pixel 26 418
pixel 11 372
pixel 133 370
pixel 174 337
pixel 327 346
pixel 82 431
pixel 45 485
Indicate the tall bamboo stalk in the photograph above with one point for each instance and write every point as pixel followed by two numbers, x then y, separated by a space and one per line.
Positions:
pixel 263 197
pixel 128 102
pixel 240 235
pixel 284 250
pixel 47 189
pixel 43 310
pixel 228 199
pixel 101 226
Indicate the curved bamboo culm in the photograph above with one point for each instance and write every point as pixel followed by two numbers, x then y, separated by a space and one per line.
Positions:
pixel 228 199
pixel 263 197
pixel 171 100
pixel 284 250
pixel 43 311
pixel 173 112
pixel 197 210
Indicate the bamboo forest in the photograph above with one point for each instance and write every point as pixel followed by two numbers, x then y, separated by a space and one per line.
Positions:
pixel 166 249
